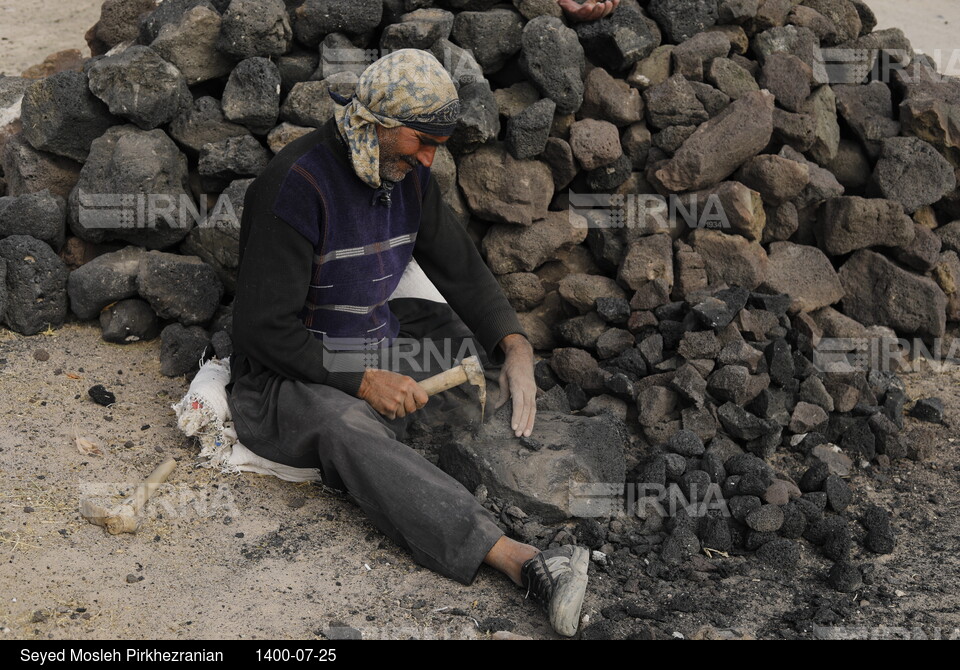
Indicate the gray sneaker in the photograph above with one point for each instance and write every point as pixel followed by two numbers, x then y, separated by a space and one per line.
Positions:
pixel 557 578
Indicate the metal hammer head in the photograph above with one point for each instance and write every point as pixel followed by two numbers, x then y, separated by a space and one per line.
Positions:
pixel 469 371
pixel 475 376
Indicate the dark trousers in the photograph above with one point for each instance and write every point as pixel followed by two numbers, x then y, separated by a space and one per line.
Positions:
pixel 359 451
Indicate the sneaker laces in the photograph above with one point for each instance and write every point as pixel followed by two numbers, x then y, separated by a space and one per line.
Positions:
pixel 539 579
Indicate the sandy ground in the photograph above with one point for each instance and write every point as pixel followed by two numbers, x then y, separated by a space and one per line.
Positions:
pixel 32 29
pixel 930 25
pixel 218 556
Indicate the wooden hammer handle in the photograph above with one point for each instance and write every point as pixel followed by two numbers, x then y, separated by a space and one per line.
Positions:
pixel 445 380
pixel 152 483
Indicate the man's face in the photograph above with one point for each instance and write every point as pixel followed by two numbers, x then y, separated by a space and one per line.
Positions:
pixel 403 148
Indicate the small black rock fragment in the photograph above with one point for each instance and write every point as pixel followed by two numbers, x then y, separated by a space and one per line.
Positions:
pixel 531 444
pixel 101 396
pixel 928 409
pixel 845 577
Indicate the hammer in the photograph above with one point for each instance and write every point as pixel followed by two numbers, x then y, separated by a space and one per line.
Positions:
pixel 124 518
pixel 470 371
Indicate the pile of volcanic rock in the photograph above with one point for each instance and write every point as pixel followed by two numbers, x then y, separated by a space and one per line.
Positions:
pixel 716 392
pixel 825 151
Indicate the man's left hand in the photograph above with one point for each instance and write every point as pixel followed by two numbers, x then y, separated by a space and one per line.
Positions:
pixel 517 382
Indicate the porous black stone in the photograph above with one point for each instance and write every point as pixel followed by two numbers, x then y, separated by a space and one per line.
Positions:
pixel 928 409
pixel 845 577
pixel 101 395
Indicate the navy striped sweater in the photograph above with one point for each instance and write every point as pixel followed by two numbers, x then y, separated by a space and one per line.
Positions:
pixel 357 266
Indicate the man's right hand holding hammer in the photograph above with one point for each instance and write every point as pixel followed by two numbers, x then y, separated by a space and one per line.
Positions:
pixel 391 394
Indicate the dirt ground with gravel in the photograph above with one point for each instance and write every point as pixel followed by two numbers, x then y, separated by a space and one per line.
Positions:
pixel 247 556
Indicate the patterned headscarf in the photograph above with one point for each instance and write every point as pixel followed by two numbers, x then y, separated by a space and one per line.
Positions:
pixel 408 87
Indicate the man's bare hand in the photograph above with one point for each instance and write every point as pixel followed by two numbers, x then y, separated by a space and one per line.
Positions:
pixel 517 382
pixel 392 395
pixel 590 10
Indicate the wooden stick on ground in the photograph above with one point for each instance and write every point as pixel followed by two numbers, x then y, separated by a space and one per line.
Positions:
pixel 125 517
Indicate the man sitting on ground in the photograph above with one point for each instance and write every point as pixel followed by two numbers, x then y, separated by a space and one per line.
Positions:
pixel 327 231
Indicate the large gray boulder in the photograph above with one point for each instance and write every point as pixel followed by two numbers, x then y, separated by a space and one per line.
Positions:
pixel 493 36
pixel 775 178
pixel 553 60
pixel 104 280
pixel 730 259
pixel 252 95
pixel 510 248
pixel 179 287
pixel 120 20
pixel 316 18
pixel 595 144
pixel 528 131
pixel 851 222
pixel 648 259
pixel 61 115
pixel 878 292
pixel 190 43
pixel 500 188
pixel 256 28
pixel 230 159
pixel 27 170
pixel 721 145
pixel 674 102
pixel 553 483
pixel 805 273
pixel 41 215
pixel 201 123
pixel 309 102
pixel 583 290
pixel 619 40
pixel 133 187
pixel 36 279
pixel 181 347
pixel 610 99
pixel 788 78
pixel 913 173
pixel 479 120
pixel 682 19
pixel 139 85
